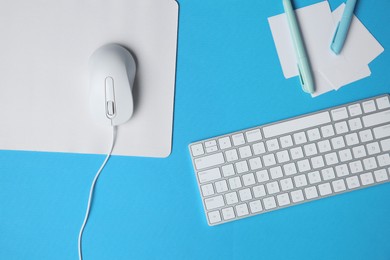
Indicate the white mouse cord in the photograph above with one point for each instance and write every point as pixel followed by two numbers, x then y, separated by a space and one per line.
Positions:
pixel 91 191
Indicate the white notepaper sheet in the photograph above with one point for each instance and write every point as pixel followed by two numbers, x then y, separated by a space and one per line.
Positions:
pixel 44 93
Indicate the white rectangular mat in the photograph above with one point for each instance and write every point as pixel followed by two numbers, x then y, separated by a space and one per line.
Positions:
pixel 44 89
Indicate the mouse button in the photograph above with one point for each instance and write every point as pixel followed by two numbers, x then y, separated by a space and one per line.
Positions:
pixel 109 83
pixel 110 108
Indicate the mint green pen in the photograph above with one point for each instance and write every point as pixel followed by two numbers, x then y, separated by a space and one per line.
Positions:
pixel 305 73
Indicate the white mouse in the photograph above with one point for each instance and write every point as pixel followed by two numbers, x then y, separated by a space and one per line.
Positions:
pixel 112 71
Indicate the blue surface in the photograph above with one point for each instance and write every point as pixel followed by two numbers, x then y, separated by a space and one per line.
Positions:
pixel 228 78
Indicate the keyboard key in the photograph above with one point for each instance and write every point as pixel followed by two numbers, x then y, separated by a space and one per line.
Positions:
pixel 369 106
pixel 355 110
pixel 310 149
pixel 345 155
pixel 297 196
pixel 245 194
pixel 231 155
pixel 314 134
pixel 245 152
pixel 258 148
pixel 238 139
pixel 383 160
pixel 207 190
pixel 304 165
pixel 300 180
pixel 228 213
pixel 197 149
pixel 286 184
pixel 381 175
pixel 286 141
pixel 262 176
pixel 221 186
pixel 300 138
pixel 352 139
pixel 297 124
pixel 273 187
pixel 324 146
pixel 231 198
pixel 383 102
pixel 282 156
pixel 328 174
pixel 327 131
pixel 253 135
pixel 224 142
pixel 283 199
pixel 338 142
pixel 369 163
pixel 296 153
pixel 317 162
pixel 314 177
pixel 341 127
pixel 325 189
pixel 210 143
pixel 269 203
pixel 214 202
pixel 255 206
pixel 269 160
pixel 382 131
pixel 228 170
pixel 355 124
pixel 373 148
pixel 241 167
pixel 214 217
pixel 353 182
pixel 366 178
pixel 331 158
pixel 255 163
pixel 311 192
pixel 272 145
pixel 209 175
pixel 339 113
pixel 377 118
pixel 290 169
pixel 259 191
pixel 385 144
pixel 338 185
pixel 211 149
pixel 359 152
pixel 248 179
pixel 366 135
pixel 356 167
pixel 235 183
pixel 209 161
pixel 342 170
pixel 276 172
pixel 242 210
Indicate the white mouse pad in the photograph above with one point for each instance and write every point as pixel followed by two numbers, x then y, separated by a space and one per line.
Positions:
pixel 44 89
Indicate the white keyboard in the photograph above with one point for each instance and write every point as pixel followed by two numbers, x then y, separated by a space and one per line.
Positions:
pixel 293 161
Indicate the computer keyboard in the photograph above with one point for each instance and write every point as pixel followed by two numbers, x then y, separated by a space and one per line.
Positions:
pixel 293 161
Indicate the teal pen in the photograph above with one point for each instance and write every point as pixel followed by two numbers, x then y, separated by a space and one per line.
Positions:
pixel 343 26
pixel 304 69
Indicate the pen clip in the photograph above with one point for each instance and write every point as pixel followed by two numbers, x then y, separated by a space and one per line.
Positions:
pixel 301 79
pixel 335 33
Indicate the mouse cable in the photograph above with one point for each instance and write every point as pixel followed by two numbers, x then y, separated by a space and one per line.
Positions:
pixel 91 191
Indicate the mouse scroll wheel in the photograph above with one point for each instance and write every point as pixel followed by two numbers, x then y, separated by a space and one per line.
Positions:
pixel 110 97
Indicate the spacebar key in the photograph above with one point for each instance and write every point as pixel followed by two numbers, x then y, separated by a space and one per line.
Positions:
pixel 296 124
pixel 209 161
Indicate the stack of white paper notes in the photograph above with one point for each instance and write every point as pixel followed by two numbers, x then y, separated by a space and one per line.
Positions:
pixel 318 24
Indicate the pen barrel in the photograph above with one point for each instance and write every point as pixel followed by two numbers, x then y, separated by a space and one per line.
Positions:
pixel 295 32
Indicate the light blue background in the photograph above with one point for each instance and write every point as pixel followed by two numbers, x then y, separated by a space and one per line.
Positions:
pixel 228 78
